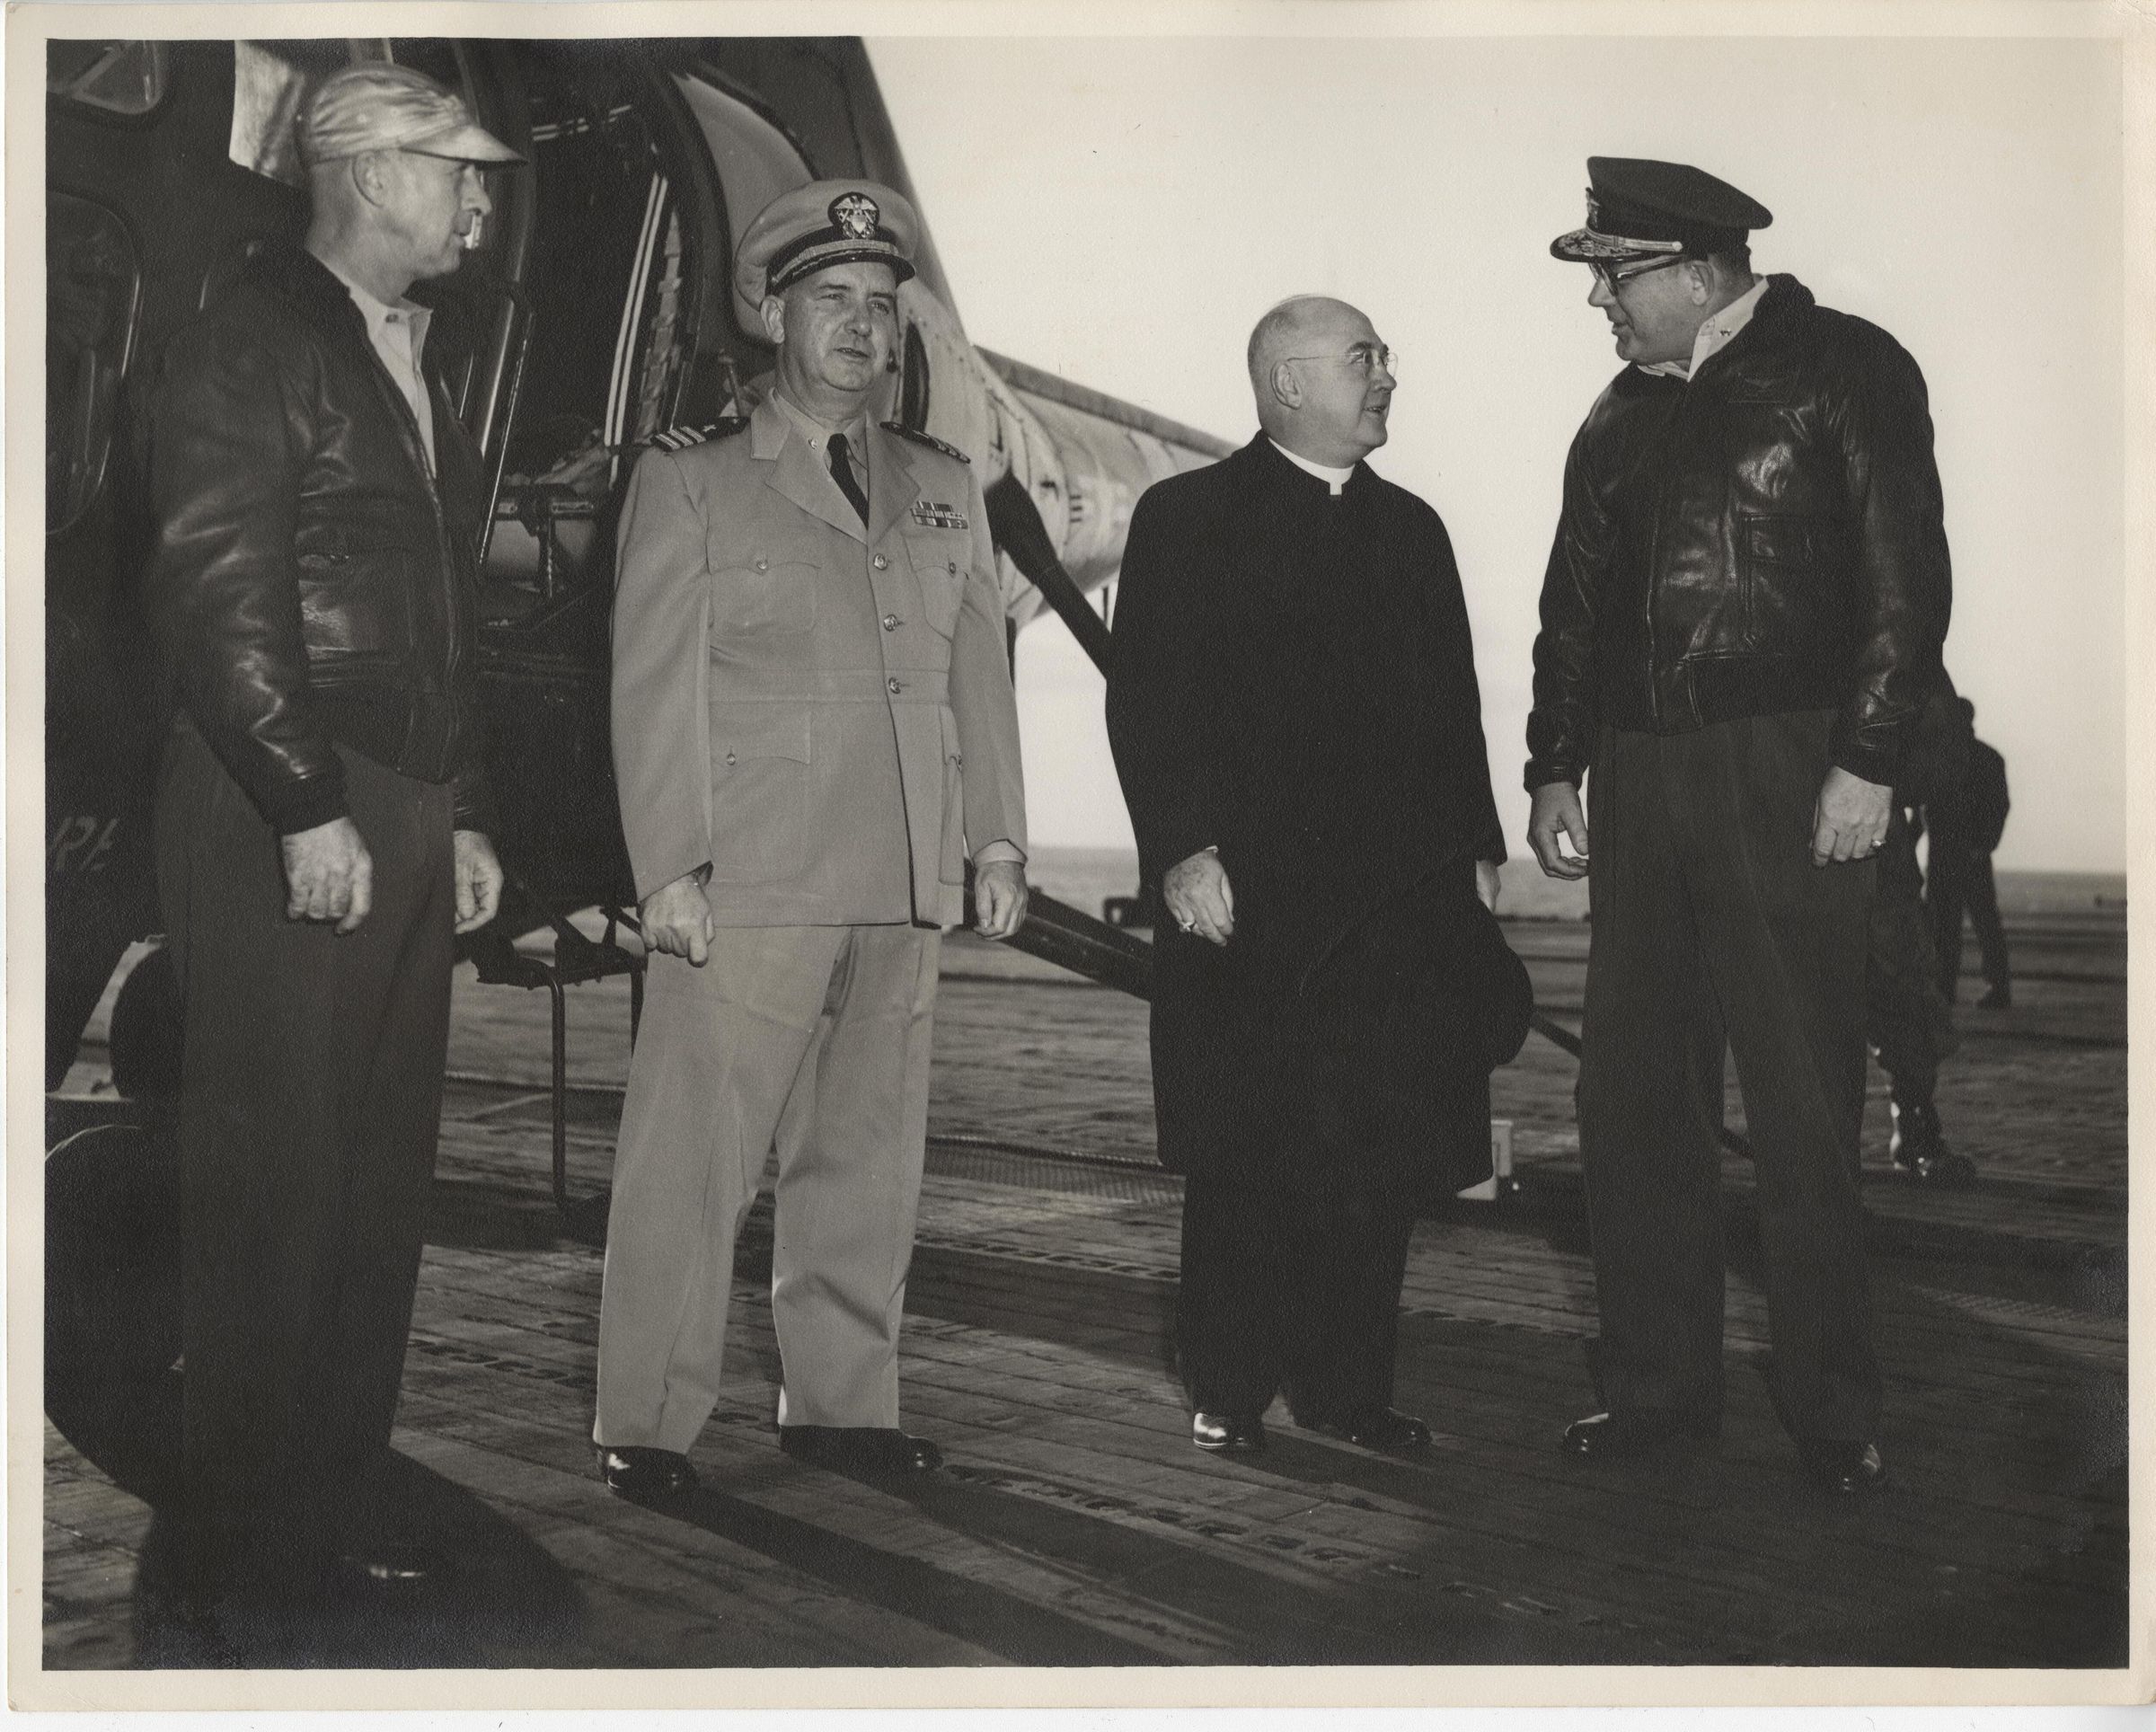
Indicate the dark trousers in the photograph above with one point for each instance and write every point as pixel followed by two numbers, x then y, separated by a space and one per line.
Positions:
pixel 1911 1025
pixel 1960 879
pixel 1712 929
pixel 311 1097
pixel 1291 1279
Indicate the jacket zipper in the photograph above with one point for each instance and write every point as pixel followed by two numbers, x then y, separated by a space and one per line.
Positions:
pixel 415 451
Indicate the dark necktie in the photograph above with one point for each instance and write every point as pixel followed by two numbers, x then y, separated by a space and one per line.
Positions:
pixel 842 471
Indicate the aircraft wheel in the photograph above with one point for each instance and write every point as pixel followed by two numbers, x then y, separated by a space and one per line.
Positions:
pixel 146 1032
pixel 111 1258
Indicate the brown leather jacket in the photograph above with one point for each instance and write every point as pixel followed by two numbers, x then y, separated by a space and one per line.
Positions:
pixel 1766 537
pixel 312 583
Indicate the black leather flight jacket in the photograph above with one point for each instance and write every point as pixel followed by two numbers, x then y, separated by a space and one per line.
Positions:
pixel 313 582
pixel 1768 536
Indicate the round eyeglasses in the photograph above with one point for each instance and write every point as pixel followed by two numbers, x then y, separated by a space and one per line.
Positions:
pixel 1364 358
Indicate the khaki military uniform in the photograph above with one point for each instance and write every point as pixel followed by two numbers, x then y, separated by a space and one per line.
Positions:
pixel 821 712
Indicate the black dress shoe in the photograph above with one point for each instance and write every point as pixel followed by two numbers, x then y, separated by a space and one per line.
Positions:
pixel 1918 1145
pixel 1846 1466
pixel 645 1476
pixel 1632 1431
pixel 1380 1429
pixel 1228 1434
pixel 371 1570
pixel 860 1449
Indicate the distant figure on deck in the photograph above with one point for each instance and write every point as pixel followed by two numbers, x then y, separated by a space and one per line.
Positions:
pixel 1292 708
pixel 1965 823
pixel 1742 617
pixel 1910 1022
pixel 813 727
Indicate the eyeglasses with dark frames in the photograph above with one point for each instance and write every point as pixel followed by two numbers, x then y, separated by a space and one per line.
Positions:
pixel 1614 278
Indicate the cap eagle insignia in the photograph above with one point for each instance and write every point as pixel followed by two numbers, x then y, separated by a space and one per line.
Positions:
pixel 854 215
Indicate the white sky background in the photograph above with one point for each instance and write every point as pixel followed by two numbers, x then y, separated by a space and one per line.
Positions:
pixel 1121 211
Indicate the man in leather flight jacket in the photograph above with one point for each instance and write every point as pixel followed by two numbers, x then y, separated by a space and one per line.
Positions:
pixel 320 826
pixel 1742 617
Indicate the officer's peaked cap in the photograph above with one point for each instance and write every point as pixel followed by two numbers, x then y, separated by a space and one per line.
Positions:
pixel 823 224
pixel 1640 209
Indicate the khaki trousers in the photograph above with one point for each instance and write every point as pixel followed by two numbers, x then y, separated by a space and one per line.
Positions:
pixel 813 1040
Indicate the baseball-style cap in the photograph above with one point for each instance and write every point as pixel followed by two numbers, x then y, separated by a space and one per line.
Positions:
pixel 1640 209
pixel 378 106
pixel 825 223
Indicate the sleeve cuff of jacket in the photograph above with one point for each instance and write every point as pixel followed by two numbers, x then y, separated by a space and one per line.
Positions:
pixel 305 804
pixel 1541 774
pixel 1872 764
pixel 994 854
pixel 475 807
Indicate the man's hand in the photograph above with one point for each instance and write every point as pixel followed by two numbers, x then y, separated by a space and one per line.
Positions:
pixel 1850 819
pixel 1556 814
pixel 478 880
pixel 1487 883
pixel 329 875
pixel 999 898
pixel 677 919
pixel 1199 897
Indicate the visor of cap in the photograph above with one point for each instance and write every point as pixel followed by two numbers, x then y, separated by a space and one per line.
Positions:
pixel 1589 246
pixel 390 108
pixel 465 141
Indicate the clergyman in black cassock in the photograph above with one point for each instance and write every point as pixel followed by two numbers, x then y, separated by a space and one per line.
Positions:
pixel 1292 708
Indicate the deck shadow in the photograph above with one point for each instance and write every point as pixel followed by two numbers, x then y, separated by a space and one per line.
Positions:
pixel 1017 1631
pixel 501 1600
pixel 501 1596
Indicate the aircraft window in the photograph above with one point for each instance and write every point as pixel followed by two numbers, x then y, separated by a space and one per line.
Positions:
pixel 268 80
pixel 92 286
pixel 611 319
pixel 118 77
pixel 272 79
pixel 755 161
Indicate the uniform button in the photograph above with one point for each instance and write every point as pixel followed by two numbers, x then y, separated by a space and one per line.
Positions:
pixel 879 561
pixel 890 622
pixel 952 566
pixel 893 686
pixel 763 565
pixel 730 758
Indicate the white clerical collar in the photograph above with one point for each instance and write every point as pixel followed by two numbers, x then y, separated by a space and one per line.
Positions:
pixel 1714 334
pixel 1336 478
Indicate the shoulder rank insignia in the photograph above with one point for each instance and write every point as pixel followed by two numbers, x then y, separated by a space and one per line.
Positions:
pixel 928 440
pixel 680 438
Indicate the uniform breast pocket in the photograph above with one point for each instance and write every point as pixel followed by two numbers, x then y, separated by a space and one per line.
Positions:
pixel 760 595
pixel 941 564
pixel 760 770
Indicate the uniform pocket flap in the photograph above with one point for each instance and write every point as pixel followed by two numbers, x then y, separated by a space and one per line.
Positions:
pixel 759 730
